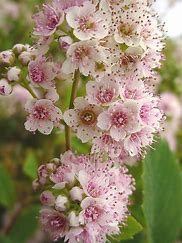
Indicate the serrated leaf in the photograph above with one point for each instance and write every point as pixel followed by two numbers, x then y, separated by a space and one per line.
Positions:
pixel 127 232
pixel 162 195
pixel 7 189
pixel 30 166
pixel 25 225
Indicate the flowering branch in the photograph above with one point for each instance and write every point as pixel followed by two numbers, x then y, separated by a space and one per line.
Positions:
pixel 76 80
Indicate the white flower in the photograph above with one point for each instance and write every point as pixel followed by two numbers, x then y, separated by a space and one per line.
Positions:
pixel 85 55
pixel 83 119
pixel 87 22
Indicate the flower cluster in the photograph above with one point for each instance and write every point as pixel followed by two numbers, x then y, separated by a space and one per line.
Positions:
pixel 85 199
pixel 115 47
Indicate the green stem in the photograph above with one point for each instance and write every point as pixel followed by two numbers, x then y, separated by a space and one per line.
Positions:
pixel 71 105
pixel 31 91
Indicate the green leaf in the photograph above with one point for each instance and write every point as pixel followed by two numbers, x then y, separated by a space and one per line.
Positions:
pixel 162 195
pixel 127 232
pixel 30 166
pixel 7 189
pixel 25 225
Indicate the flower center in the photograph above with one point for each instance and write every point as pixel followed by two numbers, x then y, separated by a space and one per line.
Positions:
pixel 126 60
pixel 37 75
pixel 105 96
pixel 93 190
pixel 40 113
pixel 57 222
pixel 80 53
pixel 86 24
pixel 52 21
pixel 92 213
pixel 125 29
pixel 119 119
pixel 88 117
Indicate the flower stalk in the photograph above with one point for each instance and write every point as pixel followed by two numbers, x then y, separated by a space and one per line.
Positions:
pixel 76 80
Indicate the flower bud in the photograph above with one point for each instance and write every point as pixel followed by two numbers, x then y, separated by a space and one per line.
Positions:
pixel 7 57
pixel 19 48
pixel 73 219
pixel 60 203
pixel 25 57
pixel 65 42
pixel 35 184
pixel 5 88
pixel 43 174
pixel 47 198
pixel 76 193
pixel 13 74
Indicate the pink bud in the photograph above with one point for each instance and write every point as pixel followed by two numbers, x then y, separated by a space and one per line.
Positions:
pixel 47 198
pixel 65 42
pixel 5 88
pixel 7 57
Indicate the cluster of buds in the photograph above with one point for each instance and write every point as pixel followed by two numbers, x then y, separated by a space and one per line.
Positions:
pixel 85 199
pixel 115 46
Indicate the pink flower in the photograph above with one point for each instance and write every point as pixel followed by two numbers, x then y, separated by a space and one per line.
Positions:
pixel 100 205
pixel 41 72
pixel 120 119
pixel 47 20
pixel 83 119
pixel 105 143
pixel 136 142
pixel 149 114
pixel 104 92
pixel 5 87
pixel 43 116
pixel 54 222
pixel 85 55
pixel 87 22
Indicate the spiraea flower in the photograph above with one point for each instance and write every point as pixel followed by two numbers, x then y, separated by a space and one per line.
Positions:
pixel 47 20
pixel 120 119
pixel 88 22
pixel 85 55
pixel 102 205
pixel 104 92
pixel 43 116
pixel 83 119
pixel 41 72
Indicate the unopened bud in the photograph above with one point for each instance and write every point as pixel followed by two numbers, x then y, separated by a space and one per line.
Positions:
pixel 13 74
pixel 47 198
pixel 60 203
pixel 7 57
pixel 73 219
pixel 65 42
pixel 19 48
pixel 5 87
pixel 76 193
pixel 25 57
